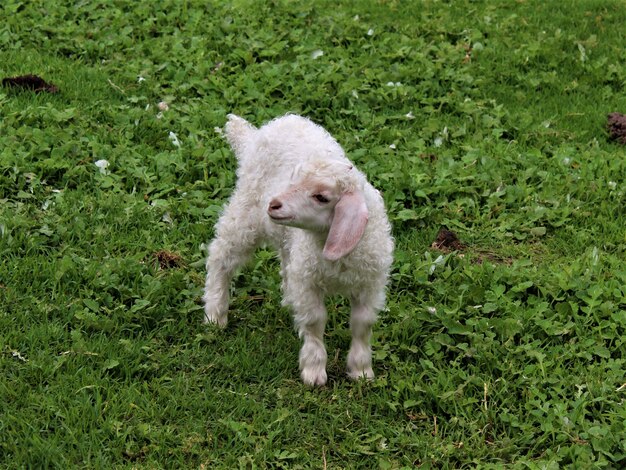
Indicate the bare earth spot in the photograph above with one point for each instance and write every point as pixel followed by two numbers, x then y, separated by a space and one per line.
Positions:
pixel 447 241
pixel 616 125
pixel 30 82
pixel 167 259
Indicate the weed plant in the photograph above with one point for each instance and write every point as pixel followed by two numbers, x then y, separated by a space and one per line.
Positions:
pixel 485 117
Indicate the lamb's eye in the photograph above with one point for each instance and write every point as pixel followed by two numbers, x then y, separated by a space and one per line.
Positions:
pixel 321 198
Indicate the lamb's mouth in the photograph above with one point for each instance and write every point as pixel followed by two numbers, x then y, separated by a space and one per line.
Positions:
pixel 280 219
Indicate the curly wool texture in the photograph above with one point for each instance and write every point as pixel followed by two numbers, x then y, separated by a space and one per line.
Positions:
pixel 285 158
pixel 285 149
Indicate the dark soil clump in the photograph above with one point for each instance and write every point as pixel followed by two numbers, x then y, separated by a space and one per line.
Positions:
pixel 168 260
pixel 30 82
pixel 447 241
pixel 616 125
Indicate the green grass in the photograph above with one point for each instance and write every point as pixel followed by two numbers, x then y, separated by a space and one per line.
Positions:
pixel 484 117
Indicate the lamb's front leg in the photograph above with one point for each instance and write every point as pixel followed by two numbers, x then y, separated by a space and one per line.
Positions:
pixel 362 318
pixel 310 319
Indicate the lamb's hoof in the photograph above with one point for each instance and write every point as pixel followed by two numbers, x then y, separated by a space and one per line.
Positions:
pixel 313 377
pixel 364 374
pixel 212 317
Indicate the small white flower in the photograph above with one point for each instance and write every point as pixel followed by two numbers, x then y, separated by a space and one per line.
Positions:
pixel 370 32
pixel 316 54
pixel 409 115
pixel 218 130
pixel 431 310
pixel 174 139
pixel 163 106
pixel 440 261
pixel 567 161
pixel 140 79
pixel 392 146
pixel 17 355
pixel 102 166
pixel 356 18
pixel 612 185
pixel 438 142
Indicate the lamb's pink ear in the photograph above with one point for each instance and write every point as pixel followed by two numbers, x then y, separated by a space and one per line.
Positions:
pixel 347 227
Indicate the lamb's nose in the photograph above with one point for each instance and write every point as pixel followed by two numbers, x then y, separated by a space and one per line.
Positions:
pixel 275 204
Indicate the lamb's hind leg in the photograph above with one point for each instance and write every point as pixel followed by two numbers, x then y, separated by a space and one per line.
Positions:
pixel 230 249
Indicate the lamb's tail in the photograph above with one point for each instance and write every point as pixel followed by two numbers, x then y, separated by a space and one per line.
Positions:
pixel 238 133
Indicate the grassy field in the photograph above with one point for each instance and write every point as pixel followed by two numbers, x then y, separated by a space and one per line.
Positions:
pixel 485 117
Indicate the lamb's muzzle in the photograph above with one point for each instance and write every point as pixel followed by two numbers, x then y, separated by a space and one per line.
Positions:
pixel 273 211
pixel 298 192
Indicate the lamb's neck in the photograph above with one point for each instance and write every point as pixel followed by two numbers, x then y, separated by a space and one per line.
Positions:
pixel 315 238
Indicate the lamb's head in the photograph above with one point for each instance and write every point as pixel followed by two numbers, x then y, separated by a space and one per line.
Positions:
pixel 327 199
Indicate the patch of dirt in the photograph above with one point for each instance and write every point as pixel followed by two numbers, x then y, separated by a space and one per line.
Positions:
pixel 616 125
pixel 447 241
pixel 30 82
pixel 168 260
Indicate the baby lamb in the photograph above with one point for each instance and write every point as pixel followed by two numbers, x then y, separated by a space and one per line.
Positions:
pixel 297 192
